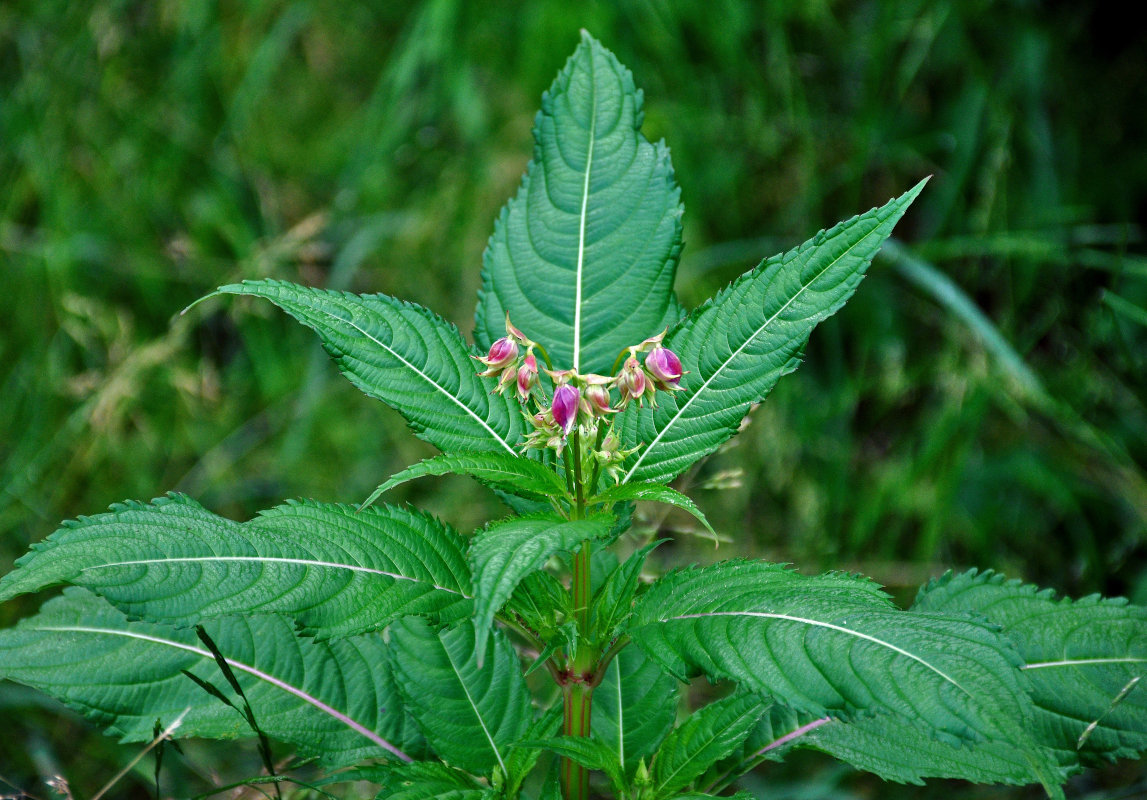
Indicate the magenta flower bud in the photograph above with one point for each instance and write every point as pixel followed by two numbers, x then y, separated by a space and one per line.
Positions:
pixel 502 352
pixel 565 406
pixel 527 376
pixel 665 368
pixel 631 382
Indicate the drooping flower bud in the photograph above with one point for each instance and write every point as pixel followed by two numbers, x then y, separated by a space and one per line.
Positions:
pixel 502 353
pixel 598 397
pixel 565 406
pixel 595 400
pixel 527 376
pixel 664 367
pixel 631 382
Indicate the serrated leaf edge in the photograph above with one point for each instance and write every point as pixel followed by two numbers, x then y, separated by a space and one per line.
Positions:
pixel 908 196
pixel 250 670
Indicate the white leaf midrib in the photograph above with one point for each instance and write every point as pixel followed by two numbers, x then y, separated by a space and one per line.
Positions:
pixel 822 624
pixel 1085 662
pixel 584 214
pixel 446 393
pixel 242 667
pixel 276 560
pixel 715 735
pixel 477 711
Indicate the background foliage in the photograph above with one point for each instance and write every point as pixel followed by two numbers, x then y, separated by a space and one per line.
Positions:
pixel 981 401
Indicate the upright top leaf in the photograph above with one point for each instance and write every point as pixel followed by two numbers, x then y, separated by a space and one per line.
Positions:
pixel 584 257
pixel 738 345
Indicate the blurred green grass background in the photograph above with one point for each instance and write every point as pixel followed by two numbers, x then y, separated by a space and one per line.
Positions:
pixel 981 401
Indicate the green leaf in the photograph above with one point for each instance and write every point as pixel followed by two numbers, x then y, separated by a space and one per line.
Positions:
pixel 407 357
pixel 541 601
pixel 335 700
pixel 429 780
pixel 590 753
pixel 708 735
pixel 516 474
pixel 655 492
pixel 613 602
pixel 897 750
pixel 634 707
pixel 887 745
pixel 470 716
pixel 584 257
pixel 504 553
pixel 735 347
pixel 833 645
pixel 1086 660
pixel 334 571
pixel 523 757
pixel 771 738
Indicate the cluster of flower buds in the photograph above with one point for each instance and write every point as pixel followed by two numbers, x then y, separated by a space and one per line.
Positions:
pixel 582 400
pixel 661 372
pixel 506 362
pixel 611 455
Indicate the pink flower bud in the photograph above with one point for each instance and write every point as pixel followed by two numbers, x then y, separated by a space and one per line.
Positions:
pixel 665 368
pixel 565 406
pixel 527 376
pixel 598 396
pixel 502 352
pixel 631 382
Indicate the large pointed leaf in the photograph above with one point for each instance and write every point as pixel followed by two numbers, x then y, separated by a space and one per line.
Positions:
pixel 885 744
pixel 735 347
pixel 833 645
pixel 407 357
pixel 336 572
pixel 504 553
pixel 634 706
pixel 336 700
pixel 708 735
pixel 470 716
pixel 897 750
pixel 1086 660
pixel 584 257
pixel 516 474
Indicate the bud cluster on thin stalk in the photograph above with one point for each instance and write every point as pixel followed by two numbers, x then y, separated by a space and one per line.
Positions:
pixel 581 403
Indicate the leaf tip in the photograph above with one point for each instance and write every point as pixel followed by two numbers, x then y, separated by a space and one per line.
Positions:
pixel 215 293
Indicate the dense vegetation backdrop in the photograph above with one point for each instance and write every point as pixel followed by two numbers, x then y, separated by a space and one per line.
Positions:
pixel 982 400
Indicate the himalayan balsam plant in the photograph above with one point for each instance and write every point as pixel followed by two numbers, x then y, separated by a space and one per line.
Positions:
pixel 533 658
